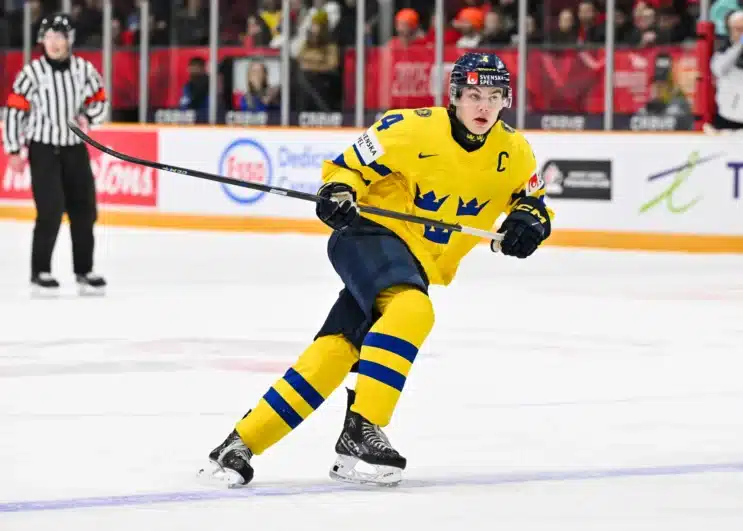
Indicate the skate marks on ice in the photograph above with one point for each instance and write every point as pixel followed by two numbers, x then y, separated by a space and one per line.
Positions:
pixel 288 489
pixel 102 356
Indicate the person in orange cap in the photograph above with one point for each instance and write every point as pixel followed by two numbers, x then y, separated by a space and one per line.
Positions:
pixel 407 28
pixel 470 21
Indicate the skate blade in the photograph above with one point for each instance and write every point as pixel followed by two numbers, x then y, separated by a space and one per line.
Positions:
pixel 346 469
pixel 37 292
pixel 216 476
pixel 88 291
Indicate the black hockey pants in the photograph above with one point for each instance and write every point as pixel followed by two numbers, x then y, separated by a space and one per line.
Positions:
pixel 62 181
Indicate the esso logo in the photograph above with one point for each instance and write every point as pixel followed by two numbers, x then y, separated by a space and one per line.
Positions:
pixel 245 160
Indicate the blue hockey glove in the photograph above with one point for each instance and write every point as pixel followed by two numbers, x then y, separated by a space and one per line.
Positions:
pixel 338 208
pixel 525 228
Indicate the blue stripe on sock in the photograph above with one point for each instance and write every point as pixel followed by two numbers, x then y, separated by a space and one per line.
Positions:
pixel 304 388
pixel 382 374
pixel 392 344
pixel 282 408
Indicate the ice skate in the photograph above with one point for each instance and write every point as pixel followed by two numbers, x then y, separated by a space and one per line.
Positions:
pixel 230 463
pixel 44 285
pixel 90 284
pixel 365 455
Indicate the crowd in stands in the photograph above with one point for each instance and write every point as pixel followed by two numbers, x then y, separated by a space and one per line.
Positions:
pixel 321 30
pixel 470 23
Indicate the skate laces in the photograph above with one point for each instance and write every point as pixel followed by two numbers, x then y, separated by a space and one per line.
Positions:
pixel 239 448
pixel 375 438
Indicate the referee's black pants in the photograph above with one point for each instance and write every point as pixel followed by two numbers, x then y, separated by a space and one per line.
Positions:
pixel 62 181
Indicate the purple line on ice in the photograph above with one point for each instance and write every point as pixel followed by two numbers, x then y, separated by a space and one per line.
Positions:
pixel 258 491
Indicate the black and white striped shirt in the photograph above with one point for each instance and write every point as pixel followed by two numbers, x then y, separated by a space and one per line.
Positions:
pixel 45 95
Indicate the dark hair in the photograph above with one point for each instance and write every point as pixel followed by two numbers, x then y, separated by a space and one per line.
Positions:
pixel 264 85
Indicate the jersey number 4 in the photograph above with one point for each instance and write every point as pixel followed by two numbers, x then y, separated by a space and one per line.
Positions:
pixel 388 121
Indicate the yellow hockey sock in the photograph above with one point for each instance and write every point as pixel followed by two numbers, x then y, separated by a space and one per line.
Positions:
pixel 304 387
pixel 389 350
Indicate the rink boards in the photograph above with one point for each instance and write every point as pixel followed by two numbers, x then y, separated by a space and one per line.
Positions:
pixel 657 191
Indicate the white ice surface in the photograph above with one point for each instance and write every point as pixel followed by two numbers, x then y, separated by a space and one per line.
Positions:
pixel 537 373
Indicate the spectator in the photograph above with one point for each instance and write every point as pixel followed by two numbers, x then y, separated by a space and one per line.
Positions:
pixel 590 29
pixel 270 12
pixel 258 34
pixel 331 12
pixel 480 5
pixel 727 67
pixel 470 23
pixel 509 10
pixel 495 33
pixel 644 32
pixel 533 35
pixel 319 65
pixel 158 28
pixel 195 94
pixel 407 29
pixel 719 12
pixel 666 98
pixel 259 96
pixel 345 30
pixel 192 24
pixel 451 35
pixel 567 32
pixel 89 20
pixel 669 27
pixel 622 26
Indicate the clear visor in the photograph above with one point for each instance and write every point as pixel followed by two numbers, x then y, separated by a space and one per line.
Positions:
pixel 485 96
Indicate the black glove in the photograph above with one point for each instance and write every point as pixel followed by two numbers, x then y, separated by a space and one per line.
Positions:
pixel 338 208
pixel 527 226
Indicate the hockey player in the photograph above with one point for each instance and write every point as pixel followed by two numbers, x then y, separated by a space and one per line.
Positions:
pixel 455 164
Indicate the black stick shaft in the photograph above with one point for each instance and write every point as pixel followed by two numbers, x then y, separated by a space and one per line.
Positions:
pixel 268 189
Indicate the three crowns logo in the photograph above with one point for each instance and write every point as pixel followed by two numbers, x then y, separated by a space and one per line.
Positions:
pixel 428 200
pixel 436 235
pixel 431 203
pixel 471 208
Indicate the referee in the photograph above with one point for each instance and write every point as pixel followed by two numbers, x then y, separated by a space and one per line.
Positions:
pixel 49 91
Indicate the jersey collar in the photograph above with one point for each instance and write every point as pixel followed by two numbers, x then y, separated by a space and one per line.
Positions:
pixel 63 64
pixel 462 136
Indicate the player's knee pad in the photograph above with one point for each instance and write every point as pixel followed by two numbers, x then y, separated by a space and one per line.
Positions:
pixel 389 350
pixel 407 312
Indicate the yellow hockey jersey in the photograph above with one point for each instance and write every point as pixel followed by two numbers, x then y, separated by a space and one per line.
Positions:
pixel 409 162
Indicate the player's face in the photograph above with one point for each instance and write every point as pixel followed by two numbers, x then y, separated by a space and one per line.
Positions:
pixel 478 108
pixel 56 44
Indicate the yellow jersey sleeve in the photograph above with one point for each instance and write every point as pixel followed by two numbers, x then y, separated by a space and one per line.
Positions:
pixel 371 157
pixel 531 182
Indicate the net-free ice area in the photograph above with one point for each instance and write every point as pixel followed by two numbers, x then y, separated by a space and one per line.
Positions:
pixel 574 390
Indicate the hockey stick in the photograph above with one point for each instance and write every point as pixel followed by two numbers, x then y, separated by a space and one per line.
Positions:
pixel 282 191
